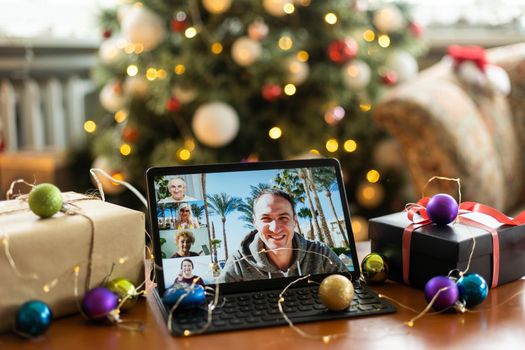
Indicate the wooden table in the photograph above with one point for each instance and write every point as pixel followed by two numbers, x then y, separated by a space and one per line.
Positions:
pixel 498 323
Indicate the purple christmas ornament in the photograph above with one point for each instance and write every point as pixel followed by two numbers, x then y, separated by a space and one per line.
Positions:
pixel 447 297
pixel 442 209
pixel 98 302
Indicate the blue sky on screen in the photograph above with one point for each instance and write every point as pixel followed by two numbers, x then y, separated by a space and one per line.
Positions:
pixel 237 184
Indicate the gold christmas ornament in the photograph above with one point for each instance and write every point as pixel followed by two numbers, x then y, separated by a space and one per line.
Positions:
pixel 336 292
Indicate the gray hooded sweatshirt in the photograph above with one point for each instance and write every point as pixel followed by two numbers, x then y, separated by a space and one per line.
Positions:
pixel 309 257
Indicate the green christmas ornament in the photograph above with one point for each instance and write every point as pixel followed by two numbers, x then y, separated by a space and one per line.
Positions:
pixel 45 200
pixel 374 268
pixel 123 288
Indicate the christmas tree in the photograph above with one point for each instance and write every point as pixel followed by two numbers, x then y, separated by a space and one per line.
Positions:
pixel 203 81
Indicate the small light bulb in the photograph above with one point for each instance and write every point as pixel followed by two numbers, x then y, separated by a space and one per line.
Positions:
pixel 384 41
pixel 151 74
pixel 332 145
pixel 275 132
pixel 365 107
pixel 330 18
pixel 372 176
pixel 290 89
pixel 285 43
pixel 289 8
pixel 125 149
pixel 162 74
pixel 190 32
pixel 216 48
pixel 369 35
pixel 350 146
pixel 302 56
pixel 132 70
pixel 179 69
pixel 184 154
pixel 90 126
pixel 121 116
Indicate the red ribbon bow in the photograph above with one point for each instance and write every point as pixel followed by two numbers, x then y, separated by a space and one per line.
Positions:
pixel 419 209
pixel 474 54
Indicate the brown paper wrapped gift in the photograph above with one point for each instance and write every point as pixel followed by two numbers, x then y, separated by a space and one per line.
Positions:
pixel 44 250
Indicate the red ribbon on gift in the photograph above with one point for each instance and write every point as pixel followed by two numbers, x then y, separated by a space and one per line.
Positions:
pixel 419 209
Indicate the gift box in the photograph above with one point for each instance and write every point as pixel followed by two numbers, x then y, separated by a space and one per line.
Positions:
pixel 40 258
pixel 432 250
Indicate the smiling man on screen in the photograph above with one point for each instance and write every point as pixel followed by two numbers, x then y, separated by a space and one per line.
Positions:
pixel 274 249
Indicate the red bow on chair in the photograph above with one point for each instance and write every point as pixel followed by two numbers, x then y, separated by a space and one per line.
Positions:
pixel 475 54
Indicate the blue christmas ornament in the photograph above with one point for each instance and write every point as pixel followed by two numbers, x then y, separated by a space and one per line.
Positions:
pixel 196 296
pixel 33 318
pixel 472 289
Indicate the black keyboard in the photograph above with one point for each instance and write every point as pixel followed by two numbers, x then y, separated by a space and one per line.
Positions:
pixel 259 309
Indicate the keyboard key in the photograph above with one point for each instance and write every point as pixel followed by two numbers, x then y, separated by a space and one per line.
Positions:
pixel 271 317
pixel 219 323
pixel 366 307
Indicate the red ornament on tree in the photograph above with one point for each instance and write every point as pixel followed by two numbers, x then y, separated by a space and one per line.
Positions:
pixel 180 22
pixel 341 51
pixel 416 29
pixel 271 92
pixel 107 34
pixel 389 78
pixel 130 134
pixel 178 25
pixel 173 104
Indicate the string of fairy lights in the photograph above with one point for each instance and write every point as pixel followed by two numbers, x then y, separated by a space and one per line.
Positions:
pixel 329 291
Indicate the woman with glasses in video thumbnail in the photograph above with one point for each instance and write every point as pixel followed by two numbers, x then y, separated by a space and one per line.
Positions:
pixel 185 218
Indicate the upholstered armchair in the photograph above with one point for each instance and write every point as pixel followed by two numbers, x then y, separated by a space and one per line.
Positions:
pixel 445 127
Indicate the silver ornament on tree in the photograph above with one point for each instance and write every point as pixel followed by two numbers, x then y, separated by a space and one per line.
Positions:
pixel 112 96
pixel 298 71
pixel 110 51
pixel 142 26
pixel 356 74
pixel 215 124
pixel 184 95
pixel 136 86
pixel 389 19
pixel 245 51
pixel 403 63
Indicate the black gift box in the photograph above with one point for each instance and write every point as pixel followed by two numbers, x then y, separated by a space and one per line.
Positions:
pixel 436 250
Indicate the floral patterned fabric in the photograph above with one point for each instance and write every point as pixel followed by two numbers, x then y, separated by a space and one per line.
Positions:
pixel 448 129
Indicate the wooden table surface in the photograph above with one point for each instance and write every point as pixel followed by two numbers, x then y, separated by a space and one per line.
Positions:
pixel 498 323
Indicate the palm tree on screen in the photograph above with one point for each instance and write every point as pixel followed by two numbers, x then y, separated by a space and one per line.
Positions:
pixel 223 204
